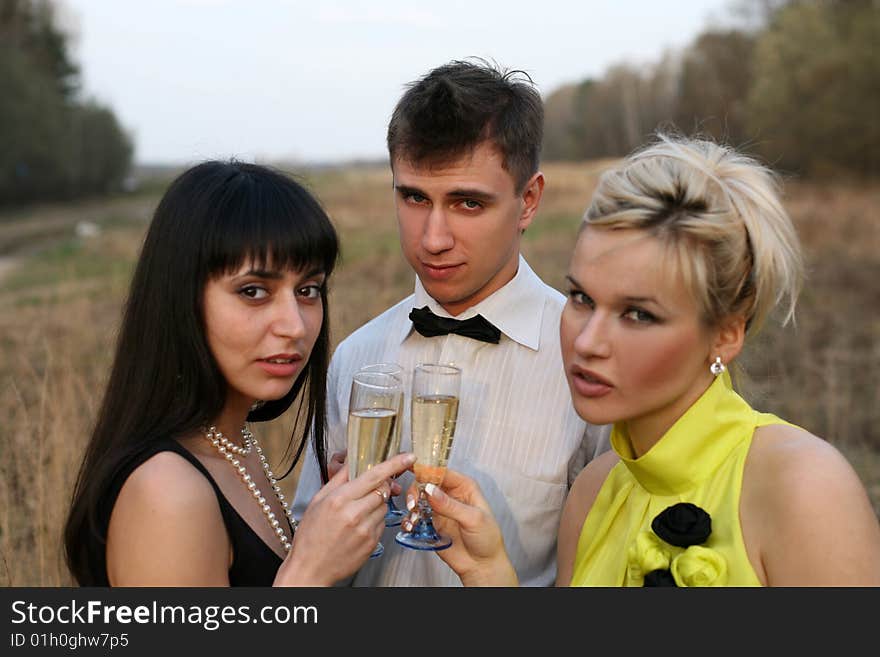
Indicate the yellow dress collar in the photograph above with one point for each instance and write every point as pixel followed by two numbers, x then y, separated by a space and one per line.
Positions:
pixel 690 451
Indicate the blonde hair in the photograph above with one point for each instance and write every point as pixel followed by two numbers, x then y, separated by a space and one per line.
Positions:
pixel 720 215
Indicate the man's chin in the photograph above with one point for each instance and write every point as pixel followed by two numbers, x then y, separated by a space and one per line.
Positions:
pixel 454 305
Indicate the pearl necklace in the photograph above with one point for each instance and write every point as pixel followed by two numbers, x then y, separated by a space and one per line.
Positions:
pixel 229 450
pixel 243 450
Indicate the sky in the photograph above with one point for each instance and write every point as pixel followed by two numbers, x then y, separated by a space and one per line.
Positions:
pixel 316 81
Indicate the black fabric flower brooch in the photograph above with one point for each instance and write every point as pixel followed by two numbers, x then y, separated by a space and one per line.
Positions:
pixel 672 553
pixel 683 524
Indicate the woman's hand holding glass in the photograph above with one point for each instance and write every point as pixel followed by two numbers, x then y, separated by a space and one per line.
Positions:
pixel 434 402
pixel 341 526
pixel 394 515
pixel 460 511
pixel 373 417
pixel 338 461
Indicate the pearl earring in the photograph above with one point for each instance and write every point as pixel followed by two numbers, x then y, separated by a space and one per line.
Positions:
pixel 717 367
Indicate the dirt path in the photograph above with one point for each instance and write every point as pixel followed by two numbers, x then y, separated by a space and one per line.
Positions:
pixel 7 263
pixel 24 231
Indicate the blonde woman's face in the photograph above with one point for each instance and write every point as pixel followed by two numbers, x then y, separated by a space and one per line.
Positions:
pixel 633 345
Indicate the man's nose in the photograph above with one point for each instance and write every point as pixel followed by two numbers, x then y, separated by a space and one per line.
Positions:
pixel 437 237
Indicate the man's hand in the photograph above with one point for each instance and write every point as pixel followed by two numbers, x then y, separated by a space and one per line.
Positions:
pixel 336 463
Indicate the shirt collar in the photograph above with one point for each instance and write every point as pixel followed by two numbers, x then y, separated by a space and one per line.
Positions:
pixel 517 309
pixel 694 446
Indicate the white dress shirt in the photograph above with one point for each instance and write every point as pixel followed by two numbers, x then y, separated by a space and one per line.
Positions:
pixel 517 433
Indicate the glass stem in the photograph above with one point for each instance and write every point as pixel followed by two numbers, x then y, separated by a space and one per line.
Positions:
pixel 426 518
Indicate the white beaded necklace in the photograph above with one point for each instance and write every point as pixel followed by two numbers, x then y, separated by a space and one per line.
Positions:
pixel 229 450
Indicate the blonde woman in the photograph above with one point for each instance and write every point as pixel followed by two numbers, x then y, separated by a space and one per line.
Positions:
pixel 683 253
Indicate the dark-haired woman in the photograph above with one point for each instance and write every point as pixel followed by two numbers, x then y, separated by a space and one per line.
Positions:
pixel 225 323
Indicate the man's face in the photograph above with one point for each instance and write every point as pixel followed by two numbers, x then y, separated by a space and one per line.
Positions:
pixel 460 224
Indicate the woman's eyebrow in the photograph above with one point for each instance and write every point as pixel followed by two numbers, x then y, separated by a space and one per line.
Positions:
pixel 275 275
pixel 263 273
pixel 642 300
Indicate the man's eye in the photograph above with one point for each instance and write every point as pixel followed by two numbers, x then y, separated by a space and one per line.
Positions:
pixel 253 292
pixel 415 198
pixel 470 204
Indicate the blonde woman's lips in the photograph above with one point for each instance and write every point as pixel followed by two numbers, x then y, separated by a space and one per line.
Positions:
pixel 589 384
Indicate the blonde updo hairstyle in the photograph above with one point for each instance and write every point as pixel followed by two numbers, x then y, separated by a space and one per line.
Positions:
pixel 719 214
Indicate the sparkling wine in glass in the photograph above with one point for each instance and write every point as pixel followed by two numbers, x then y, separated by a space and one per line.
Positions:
pixel 394 515
pixel 373 415
pixel 435 395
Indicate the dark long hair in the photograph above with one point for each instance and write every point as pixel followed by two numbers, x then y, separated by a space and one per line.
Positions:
pixel 164 381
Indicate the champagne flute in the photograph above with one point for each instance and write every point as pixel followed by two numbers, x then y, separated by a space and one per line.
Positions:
pixel 435 394
pixel 373 413
pixel 393 515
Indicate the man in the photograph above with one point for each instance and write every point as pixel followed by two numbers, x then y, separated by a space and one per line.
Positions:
pixel 464 144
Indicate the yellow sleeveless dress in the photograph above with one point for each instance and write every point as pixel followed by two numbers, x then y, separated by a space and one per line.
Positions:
pixel 698 461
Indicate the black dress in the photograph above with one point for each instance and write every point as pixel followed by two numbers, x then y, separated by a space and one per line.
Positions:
pixel 253 563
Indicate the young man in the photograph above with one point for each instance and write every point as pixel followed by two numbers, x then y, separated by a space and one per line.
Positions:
pixel 464 143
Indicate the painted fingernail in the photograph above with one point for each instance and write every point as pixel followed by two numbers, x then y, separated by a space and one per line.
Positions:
pixel 430 488
pixel 410 503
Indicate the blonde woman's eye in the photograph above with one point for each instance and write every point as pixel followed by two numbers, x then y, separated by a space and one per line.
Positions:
pixel 578 298
pixel 639 315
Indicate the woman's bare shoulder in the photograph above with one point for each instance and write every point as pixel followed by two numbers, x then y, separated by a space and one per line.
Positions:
pixel 788 453
pixel 789 465
pixel 588 482
pixel 167 475
pixel 577 505
pixel 806 512
pixel 166 527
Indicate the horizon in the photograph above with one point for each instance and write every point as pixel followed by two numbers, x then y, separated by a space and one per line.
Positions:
pixel 241 81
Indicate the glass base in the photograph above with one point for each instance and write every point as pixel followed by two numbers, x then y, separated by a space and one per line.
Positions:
pixel 378 551
pixel 394 516
pixel 423 538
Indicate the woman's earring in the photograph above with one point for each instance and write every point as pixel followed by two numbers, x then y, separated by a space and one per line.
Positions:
pixel 717 367
pixel 258 404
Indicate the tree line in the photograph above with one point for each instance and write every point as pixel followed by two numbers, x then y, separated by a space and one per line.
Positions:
pixel 797 83
pixel 54 144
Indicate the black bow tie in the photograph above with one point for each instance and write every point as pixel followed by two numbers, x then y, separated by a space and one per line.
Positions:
pixel 429 325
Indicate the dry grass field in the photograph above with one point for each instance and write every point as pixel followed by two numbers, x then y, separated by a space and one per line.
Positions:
pixel 60 299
